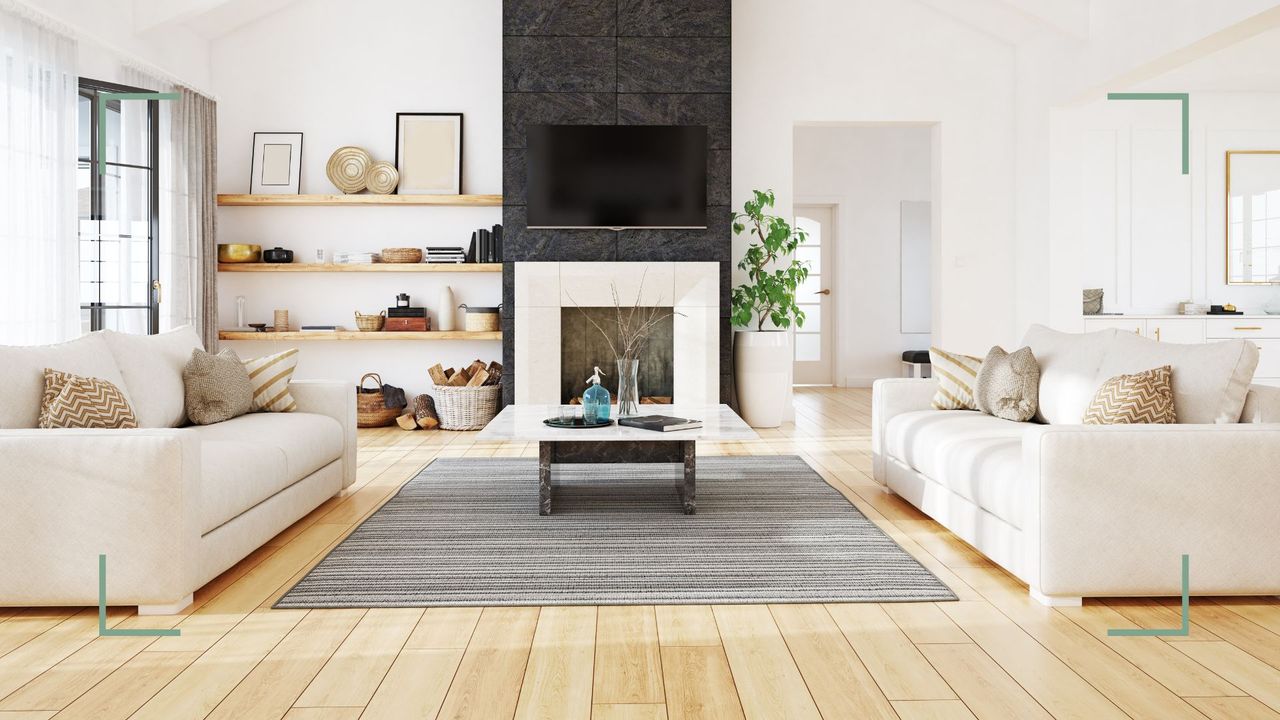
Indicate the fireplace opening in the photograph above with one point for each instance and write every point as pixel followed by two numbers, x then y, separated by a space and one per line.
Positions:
pixel 582 347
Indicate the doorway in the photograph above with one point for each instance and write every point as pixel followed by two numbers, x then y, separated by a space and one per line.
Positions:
pixel 814 341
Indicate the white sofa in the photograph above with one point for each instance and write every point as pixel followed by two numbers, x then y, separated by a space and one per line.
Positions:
pixel 1084 510
pixel 170 505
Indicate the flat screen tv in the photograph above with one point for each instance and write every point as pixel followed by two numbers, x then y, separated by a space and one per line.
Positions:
pixel 617 176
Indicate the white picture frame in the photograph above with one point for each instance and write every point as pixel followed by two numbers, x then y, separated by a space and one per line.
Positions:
pixel 276 168
pixel 429 153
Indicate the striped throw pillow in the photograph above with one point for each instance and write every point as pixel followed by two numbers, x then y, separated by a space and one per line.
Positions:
pixel 957 376
pixel 1141 398
pixel 270 377
pixel 72 401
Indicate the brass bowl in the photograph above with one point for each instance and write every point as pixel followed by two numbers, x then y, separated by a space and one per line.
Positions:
pixel 239 253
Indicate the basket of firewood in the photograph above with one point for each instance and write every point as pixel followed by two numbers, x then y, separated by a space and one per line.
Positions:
pixel 467 398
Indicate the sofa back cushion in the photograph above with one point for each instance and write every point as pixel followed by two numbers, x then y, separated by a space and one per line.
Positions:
pixel 22 374
pixel 1210 381
pixel 152 369
pixel 1069 365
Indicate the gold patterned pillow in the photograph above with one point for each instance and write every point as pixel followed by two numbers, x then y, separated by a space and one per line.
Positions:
pixel 72 401
pixel 270 376
pixel 957 375
pixel 1141 398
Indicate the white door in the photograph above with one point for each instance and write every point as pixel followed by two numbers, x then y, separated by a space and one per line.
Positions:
pixel 815 341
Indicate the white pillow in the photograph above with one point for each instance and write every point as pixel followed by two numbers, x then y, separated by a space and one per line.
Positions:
pixel 22 374
pixel 152 369
pixel 1210 380
pixel 1069 364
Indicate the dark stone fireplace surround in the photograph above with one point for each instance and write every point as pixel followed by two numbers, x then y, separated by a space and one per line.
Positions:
pixel 601 62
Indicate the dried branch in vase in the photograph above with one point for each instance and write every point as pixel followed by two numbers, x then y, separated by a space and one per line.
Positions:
pixel 633 325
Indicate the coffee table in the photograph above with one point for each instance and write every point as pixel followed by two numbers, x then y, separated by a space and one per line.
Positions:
pixel 617 443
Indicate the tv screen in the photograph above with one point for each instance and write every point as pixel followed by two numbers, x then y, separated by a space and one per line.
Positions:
pixel 617 176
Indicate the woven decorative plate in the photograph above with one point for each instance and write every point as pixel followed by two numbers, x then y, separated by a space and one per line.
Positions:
pixel 347 167
pixel 381 178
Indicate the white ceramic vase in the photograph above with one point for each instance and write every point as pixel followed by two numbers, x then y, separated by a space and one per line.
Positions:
pixel 760 364
pixel 444 316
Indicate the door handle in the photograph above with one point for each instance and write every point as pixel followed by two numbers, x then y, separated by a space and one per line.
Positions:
pixel 155 284
pixel 1157 334
pixel 823 292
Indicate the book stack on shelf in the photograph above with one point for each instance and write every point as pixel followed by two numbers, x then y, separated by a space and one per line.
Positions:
pixel 446 255
pixel 352 258
pixel 320 328
pixel 486 245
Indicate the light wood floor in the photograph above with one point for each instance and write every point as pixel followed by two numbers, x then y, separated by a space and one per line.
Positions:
pixel 993 654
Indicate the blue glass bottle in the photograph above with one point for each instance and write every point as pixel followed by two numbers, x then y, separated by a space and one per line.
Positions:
pixel 595 401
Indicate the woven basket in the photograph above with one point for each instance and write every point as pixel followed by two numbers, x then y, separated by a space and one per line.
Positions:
pixel 401 255
pixel 371 406
pixel 370 323
pixel 467 408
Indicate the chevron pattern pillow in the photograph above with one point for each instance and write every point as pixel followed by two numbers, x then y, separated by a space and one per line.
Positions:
pixel 957 376
pixel 1141 398
pixel 72 401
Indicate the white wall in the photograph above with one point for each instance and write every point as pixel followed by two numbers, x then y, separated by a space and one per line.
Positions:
pixel 867 172
pixel 339 76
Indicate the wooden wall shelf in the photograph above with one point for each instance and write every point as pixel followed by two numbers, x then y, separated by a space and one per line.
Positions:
pixel 361 267
pixel 354 335
pixel 229 200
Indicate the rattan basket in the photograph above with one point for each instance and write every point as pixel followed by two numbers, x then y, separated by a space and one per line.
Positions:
pixel 401 255
pixel 371 405
pixel 370 323
pixel 467 408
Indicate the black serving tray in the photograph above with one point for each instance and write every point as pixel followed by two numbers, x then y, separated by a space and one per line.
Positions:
pixel 575 424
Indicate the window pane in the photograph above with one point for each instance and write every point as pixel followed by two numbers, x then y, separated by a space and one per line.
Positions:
pixel 812 316
pixel 84 192
pixel 129 320
pixel 126 195
pixel 812 256
pixel 812 230
pixel 809 287
pixel 128 132
pixel 808 347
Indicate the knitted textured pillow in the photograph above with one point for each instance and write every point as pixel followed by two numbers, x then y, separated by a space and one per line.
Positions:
pixel 957 375
pixel 270 376
pixel 1141 398
pixel 72 401
pixel 1009 384
pixel 217 387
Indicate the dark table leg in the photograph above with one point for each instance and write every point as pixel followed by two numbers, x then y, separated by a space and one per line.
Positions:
pixel 544 478
pixel 689 490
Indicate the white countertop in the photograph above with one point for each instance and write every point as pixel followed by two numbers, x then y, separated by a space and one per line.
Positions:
pixel 523 423
pixel 1170 316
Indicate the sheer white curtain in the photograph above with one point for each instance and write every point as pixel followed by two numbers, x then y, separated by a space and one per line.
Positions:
pixel 39 299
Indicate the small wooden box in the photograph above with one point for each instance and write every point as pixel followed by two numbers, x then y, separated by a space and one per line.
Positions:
pixel 407 324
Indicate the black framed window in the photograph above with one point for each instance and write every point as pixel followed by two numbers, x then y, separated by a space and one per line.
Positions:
pixel 118 210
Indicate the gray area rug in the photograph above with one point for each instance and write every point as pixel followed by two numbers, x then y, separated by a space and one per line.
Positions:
pixel 467 532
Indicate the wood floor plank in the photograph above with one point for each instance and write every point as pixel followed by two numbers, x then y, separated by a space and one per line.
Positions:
pixel 651 711
pixel 699 683
pixel 686 625
pixel 769 683
pixel 129 687
pixel 444 629
pixel 343 713
pixel 559 675
pixel 1239 631
pixel 628 664
pixel 1239 668
pixel 986 689
pixel 198 689
pixel 924 623
pixel 1263 611
pixel 1147 613
pixel 351 676
pixel 487 683
pixel 26 714
pixel 1233 708
pixel 889 655
pixel 932 710
pixel 27 623
pixel 415 686
pixel 26 662
pixel 837 679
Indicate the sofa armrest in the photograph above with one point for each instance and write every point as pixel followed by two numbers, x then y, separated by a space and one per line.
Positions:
pixel 1261 405
pixel 70 495
pixel 890 397
pixel 1109 510
pixel 337 400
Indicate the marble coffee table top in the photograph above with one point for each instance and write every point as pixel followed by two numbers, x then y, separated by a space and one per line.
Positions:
pixel 523 423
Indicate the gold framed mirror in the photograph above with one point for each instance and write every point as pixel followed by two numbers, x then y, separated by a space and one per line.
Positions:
pixel 1253 217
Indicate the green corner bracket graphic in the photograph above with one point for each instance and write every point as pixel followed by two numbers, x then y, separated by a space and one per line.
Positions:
pixel 1183 631
pixel 102 109
pixel 1185 99
pixel 103 630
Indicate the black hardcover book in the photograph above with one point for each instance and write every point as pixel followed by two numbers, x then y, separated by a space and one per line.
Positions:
pixel 659 423
pixel 497 242
pixel 411 312
pixel 471 253
pixel 486 249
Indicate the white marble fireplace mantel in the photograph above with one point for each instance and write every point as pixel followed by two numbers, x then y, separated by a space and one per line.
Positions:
pixel 691 288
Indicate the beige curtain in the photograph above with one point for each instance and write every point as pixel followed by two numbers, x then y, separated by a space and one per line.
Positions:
pixel 195 137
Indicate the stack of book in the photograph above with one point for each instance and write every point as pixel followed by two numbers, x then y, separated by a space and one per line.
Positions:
pixel 320 328
pixel 406 319
pixel 349 258
pixel 486 245
pixel 446 255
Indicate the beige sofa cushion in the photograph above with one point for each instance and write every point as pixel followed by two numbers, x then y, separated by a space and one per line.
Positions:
pixel 976 456
pixel 152 369
pixel 22 374
pixel 1069 364
pixel 1210 380
pixel 248 459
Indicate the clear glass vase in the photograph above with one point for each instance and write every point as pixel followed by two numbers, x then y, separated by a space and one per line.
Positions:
pixel 628 387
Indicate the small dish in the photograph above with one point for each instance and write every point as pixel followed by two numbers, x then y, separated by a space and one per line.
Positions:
pixel 576 424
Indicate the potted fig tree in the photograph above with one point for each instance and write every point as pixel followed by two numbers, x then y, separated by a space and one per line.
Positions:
pixel 764 308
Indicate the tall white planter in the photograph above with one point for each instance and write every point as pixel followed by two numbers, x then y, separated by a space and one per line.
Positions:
pixel 760 364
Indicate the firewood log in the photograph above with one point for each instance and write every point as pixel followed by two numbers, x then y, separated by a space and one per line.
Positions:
pixel 437 374
pixel 424 411
pixel 407 422
pixel 478 378
pixel 458 379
